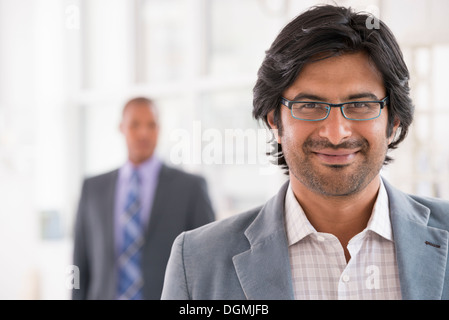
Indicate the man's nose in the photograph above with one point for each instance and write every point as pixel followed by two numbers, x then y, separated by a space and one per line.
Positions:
pixel 335 128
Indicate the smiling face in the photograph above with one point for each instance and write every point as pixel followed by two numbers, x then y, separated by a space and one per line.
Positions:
pixel 335 156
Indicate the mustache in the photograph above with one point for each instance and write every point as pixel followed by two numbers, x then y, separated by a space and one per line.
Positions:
pixel 315 144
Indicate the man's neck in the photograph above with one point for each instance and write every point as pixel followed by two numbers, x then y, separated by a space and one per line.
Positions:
pixel 137 162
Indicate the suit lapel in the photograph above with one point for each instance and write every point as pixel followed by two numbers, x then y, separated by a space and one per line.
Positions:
pixel 264 270
pixel 109 203
pixel 108 220
pixel 421 250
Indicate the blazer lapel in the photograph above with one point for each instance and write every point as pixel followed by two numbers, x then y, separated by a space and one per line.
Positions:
pixel 109 284
pixel 264 270
pixel 421 250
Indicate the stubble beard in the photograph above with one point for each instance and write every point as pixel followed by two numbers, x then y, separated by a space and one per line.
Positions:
pixel 334 180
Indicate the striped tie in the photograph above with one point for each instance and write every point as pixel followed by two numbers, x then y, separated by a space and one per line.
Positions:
pixel 130 279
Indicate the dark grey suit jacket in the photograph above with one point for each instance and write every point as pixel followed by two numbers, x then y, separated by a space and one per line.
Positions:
pixel 181 203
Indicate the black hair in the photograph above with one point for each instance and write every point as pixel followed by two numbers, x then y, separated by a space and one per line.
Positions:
pixel 326 31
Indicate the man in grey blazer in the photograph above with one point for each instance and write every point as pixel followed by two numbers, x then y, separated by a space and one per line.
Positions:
pixel 172 201
pixel 334 91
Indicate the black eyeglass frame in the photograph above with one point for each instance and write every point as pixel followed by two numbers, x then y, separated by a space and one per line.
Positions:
pixel 289 104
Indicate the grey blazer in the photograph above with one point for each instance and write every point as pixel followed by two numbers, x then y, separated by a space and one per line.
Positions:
pixel 181 203
pixel 246 256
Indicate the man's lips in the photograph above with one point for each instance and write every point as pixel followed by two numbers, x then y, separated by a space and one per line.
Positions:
pixel 338 156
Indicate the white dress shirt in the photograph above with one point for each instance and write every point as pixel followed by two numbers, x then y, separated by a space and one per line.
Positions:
pixel 318 264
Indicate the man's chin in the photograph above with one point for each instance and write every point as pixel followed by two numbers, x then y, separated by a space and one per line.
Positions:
pixel 138 159
pixel 338 182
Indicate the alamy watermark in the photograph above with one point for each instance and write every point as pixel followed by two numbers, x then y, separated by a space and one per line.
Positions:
pixel 72 17
pixel 212 146
pixel 373 22
pixel 72 279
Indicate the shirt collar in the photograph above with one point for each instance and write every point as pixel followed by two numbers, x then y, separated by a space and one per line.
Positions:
pixel 298 226
pixel 380 218
pixel 145 170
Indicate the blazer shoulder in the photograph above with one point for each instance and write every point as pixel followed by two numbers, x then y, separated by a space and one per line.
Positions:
pixel 432 202
pixel 181 175
pixel 439 210
pixel 227 235
pixel 431 211
pixel 200 264
pixel 101 178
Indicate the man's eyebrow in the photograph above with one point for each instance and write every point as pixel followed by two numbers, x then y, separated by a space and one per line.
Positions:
pixel 363 95
pixel 314 97
pixel 308 96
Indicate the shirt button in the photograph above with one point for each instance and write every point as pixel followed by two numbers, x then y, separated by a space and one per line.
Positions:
pixel 345 278
pixel 320 238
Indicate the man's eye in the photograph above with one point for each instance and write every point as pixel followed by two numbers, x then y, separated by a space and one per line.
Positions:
pixel 359 105
pixel 308 106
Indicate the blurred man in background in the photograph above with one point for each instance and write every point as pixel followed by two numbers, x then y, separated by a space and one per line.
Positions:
pixel 127 219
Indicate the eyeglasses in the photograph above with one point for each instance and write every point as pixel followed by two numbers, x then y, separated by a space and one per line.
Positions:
pixel 316 111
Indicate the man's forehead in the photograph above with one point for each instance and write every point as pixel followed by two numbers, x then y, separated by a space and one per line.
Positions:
pixel 139 105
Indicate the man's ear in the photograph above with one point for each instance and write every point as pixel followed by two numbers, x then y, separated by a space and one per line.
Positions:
pixel 273 126
pixel 397 122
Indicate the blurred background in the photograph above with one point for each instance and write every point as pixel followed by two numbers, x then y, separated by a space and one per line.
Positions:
pixel 68 66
